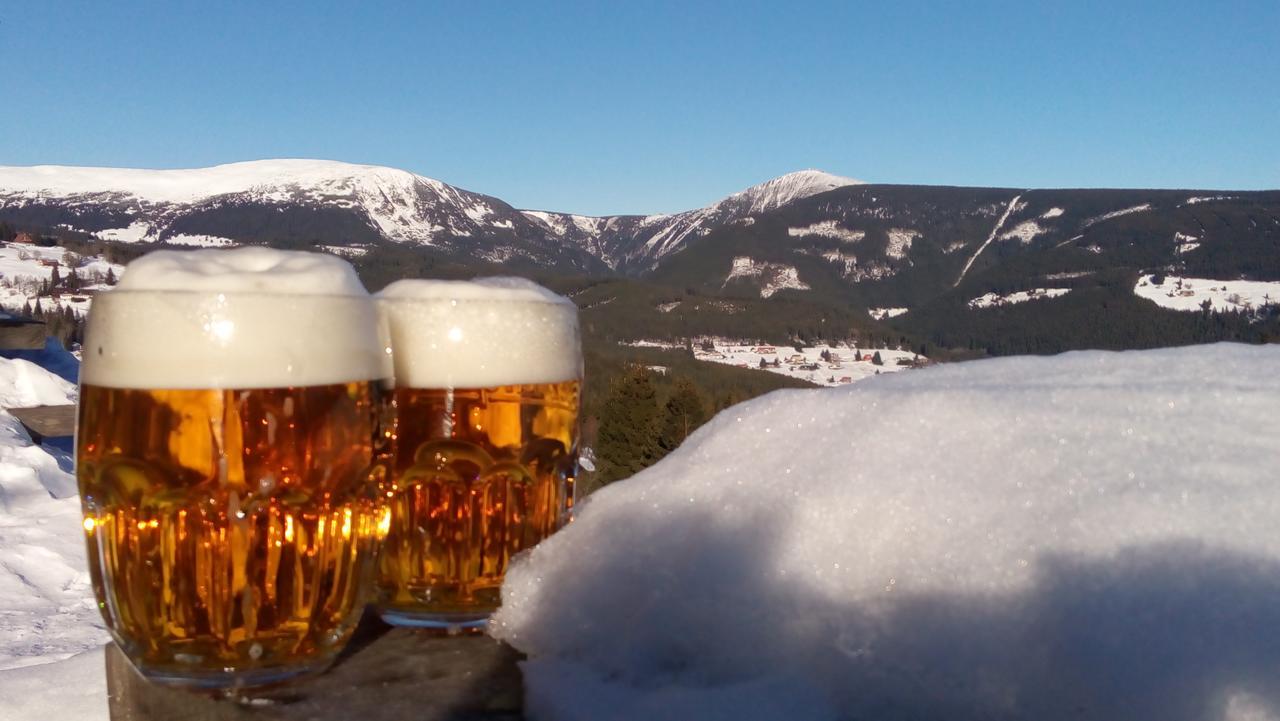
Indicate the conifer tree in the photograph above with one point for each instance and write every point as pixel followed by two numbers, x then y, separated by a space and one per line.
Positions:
pixel 684 412
pixel 628 437
pixel 876 359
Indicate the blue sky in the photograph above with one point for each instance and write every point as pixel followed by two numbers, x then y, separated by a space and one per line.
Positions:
pixel 650 107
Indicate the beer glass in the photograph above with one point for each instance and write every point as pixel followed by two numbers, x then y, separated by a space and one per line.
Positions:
pixel 484 452
pixel 224 447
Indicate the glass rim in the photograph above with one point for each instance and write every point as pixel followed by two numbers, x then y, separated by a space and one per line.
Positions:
pixel 201 293
pixel 404 299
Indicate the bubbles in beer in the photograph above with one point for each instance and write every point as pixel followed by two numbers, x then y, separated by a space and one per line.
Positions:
pixel 228 423
pixel 487 396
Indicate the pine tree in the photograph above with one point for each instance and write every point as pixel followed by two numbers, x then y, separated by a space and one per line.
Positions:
pixel 684 412
pixel 876 359
pixel 628 437
pixel 111 276
pixel 54 279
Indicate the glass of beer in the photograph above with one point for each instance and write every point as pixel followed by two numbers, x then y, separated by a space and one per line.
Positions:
pixel 485 444
pixel 228 427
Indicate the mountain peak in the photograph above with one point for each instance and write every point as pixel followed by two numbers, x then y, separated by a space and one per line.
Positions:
pixel 785 188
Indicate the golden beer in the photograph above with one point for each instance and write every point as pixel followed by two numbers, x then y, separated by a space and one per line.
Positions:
pixel 479 475
pixel 231 428
pixel 485 442
pixel 229 527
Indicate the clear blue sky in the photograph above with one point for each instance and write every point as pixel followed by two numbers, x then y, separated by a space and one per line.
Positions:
pixel 648 107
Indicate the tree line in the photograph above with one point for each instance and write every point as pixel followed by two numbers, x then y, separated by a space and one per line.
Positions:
pixel 638 428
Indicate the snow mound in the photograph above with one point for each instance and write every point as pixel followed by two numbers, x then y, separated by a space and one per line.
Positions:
pixel 1084 536
pixel 70 689
pixel 23 384
pixel 47 612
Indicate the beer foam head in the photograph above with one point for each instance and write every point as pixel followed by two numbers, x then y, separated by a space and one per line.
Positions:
pixel 480 333
pixel 243 318
pixel 248 269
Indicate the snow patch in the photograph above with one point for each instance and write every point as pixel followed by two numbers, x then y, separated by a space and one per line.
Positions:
pixel 886 313
pixel 900 242
pixel 1185 243
pixel 843 365
pixel 346 251
pixel 203 241
pixel 137 232
pixel 773 277
pixel 1207 199
pixel 994 231
pixel 1117 213
pixel 1025 231
pixel 992 300
pixel 827 229
pixel 1189 294
pixel 1051 213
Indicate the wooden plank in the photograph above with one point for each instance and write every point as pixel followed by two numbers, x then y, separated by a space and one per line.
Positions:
pixel 384 675
pixel 22 336
pixel 47 421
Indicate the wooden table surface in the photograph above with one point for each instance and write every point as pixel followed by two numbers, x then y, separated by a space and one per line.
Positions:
pixel 386 674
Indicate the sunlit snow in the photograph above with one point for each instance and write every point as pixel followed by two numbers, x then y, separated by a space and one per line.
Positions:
pixel 992 300
pixel 773 276
pixel 844 364
pixel 1189 294
pixel 827 229
pixel 886 313
pixel 47 612
pixel 1085 536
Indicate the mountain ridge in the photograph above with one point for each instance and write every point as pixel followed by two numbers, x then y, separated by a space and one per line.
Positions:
pixel 396 205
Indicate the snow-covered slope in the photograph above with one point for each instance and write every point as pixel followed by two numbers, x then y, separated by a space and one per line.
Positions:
pixel 400 205
pixel 24 267
pixel 47 611
pixel 1190 294
pixel 193 205
pixel 642 240
pixel 1088 536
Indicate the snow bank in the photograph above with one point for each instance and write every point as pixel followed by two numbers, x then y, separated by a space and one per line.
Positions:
pixel 1085 536
pixel 71 689
pixel 47 611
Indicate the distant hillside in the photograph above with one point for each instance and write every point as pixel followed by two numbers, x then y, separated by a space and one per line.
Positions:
pixel 808 255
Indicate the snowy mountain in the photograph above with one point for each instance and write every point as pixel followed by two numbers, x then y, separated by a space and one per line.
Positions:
pixel 641 240
pixel 346 205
